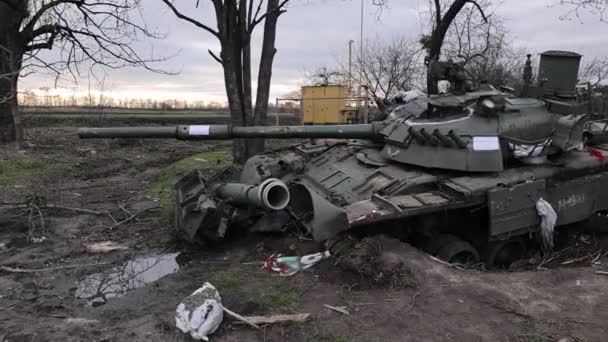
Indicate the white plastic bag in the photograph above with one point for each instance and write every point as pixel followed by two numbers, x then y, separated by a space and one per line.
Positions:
pixel 201 313
pixel 547 224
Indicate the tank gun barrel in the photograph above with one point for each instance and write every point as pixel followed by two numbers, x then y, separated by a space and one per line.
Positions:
pixel 224 132
pixel 272 194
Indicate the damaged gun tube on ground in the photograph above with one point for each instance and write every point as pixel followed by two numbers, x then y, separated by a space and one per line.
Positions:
pixel 272 194
pixel 207 209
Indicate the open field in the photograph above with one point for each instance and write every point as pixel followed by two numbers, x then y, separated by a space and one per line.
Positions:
pixel 59 195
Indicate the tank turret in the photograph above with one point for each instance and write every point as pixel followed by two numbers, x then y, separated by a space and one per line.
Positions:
pixel 473 132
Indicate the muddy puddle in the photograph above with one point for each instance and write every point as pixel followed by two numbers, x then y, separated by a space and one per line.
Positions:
pixel 99 287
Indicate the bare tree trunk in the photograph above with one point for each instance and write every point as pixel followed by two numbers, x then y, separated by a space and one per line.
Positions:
pixel 7 108
pixel 10 57
pixel 15 112
pixel 437 37
pixel 239 147
pixel 245 37
pixel 265 71
pixel 236 21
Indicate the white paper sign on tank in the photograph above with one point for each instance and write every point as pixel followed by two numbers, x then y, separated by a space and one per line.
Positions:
pixel 486 144
pixel 198 129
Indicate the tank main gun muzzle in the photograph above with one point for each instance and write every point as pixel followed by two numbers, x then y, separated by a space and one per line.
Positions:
pixel 272 194
pixel 225 132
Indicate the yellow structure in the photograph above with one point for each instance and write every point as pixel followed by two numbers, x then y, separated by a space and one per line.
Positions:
pixel 325 105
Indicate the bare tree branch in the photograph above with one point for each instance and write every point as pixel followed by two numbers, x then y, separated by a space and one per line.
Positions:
pixel 43 9
pixel 595 72
pixel 99 33
pixel 278 9
pixel 219 60
pixel 189 19
pixel 594 7
pixel 481 11
pixel 389 67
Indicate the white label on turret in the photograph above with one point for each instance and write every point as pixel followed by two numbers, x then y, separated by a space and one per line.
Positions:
pixel 198 130
pixel 485 144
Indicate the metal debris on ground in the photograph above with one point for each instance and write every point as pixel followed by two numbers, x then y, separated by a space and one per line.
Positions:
pixel 290 265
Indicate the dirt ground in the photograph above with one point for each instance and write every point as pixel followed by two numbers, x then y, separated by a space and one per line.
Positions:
pixel 60 195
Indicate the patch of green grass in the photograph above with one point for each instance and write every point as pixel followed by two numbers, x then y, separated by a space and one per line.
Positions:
pixel 223 280
pixel 265 293
pixel 24 170
pixel 534 338
pixel 148 158
pixel 273 144
pixel 333 337
pixel 278 294
pixel 162 187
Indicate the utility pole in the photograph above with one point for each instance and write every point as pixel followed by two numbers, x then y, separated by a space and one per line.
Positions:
pixel 350 65
pixel 361 117
pixel 361 45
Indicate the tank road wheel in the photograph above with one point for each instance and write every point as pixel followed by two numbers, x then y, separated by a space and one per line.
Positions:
pixel 459 252
pixel 453 249
pixel 438 241
pixel 501 254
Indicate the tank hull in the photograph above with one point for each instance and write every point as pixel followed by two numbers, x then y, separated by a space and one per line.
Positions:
pixel 350 185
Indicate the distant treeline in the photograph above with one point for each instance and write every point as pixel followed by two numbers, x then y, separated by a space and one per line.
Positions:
pixel 29 100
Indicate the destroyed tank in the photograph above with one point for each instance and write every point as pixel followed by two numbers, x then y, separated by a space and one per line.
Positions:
pixel 473 174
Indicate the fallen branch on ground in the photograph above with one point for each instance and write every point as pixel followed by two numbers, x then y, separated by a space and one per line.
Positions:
pixel 413 301
pixel 22 301
pixel 78 210
pixel 340 309
pixel 241 318
pixel 504 306
pixel 575 260
pixel 446 263
pixel 132 217
pixel 32 270
pixel 104 247
pixel 23 205
pixel 601 272
pixel 277 318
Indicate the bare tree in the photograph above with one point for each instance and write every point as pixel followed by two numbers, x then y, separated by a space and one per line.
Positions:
pixel 595 72
pixel 235 24
pixel 324 76
pixel 482 44
pixel 442 19
pixel 388 67
pixel 594 7
pixel 101 32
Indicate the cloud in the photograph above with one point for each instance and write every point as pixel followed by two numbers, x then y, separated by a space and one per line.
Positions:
pixel 315 33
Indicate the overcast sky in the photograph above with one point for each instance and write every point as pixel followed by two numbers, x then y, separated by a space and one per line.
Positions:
pixel 315 33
